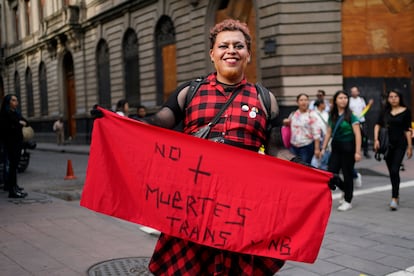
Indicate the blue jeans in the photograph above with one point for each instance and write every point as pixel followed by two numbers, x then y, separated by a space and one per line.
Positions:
pixel 305 153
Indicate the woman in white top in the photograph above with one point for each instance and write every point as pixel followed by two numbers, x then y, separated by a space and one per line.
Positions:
pixel 122 107
pixel 305 139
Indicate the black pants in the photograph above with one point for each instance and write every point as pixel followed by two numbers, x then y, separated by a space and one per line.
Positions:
pixel 393 160
pixel 343 159
pixel 13 156
pixel 364 138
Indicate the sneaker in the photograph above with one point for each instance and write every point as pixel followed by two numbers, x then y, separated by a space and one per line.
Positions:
pixel 342 198
pixel 358 181
pixel 345 206
pixel 393 205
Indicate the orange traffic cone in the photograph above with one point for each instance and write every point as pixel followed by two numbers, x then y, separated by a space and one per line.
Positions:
pixel 69 171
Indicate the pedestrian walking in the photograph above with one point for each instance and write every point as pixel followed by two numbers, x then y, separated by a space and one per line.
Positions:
pixel 323 117
pixel 346 145
pixel 58 128
pixel 396 117
pixel 320 95
pixel 11 124
pixel 359 107
pixel 306 133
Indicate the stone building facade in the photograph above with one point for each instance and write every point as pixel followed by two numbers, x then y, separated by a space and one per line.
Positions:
pixel 63 56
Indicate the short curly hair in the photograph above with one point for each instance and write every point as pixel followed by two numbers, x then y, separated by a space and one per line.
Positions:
pixel 230 25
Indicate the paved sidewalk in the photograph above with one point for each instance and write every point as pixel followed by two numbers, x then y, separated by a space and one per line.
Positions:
pixel 44 235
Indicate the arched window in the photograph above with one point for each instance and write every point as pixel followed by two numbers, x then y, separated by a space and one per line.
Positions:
pixel 17 89
pixel 29 92
pixel 44 106
pixel 1 88
pixel 165 55
pixel 131 68
pixel 103 75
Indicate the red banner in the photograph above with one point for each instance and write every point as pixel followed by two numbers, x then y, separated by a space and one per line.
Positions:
pixel 209 193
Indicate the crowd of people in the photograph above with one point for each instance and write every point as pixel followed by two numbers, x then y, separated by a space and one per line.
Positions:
pixel 332 135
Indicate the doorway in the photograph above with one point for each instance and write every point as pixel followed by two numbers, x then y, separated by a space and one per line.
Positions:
pixel 70 93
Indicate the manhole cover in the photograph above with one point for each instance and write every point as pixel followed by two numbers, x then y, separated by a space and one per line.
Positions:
pixel 122 267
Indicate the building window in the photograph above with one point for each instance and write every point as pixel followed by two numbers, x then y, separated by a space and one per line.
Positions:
pixel 29 93
pixel 103 74
pixel 1 88
pixel 28 14
pixel 131 68
pixel 165 58
pixel 42 10
pixel 44 105
pixel 16 22
pixel 17 86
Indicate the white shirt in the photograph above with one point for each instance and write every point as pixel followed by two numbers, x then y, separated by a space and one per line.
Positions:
pixel 327 105
pixel 323 117
pixel 357 105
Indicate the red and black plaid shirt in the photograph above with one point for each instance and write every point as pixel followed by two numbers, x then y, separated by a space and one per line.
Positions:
pixel 243 122
pixel 173 256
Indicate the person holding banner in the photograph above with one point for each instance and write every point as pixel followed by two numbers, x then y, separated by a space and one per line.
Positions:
pixel 245 111
pixel 244 125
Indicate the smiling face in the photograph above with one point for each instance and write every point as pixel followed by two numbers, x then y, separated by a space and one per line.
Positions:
pixel 230 56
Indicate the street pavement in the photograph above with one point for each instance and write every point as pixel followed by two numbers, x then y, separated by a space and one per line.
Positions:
pixel 48 233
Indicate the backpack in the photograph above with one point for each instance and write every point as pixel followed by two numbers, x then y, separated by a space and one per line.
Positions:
pixel 263 92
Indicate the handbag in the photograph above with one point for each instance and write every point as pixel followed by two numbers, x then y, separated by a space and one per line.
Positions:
pixel 204 131
pixel 28 133
pixel 383 144
pixel 286 135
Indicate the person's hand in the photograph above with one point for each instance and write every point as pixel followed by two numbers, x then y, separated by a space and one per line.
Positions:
pixel 334 182
pixel 409 152
pixel 357 156
pixel 96 113
pixel 318 153
pixel 376 145
pixel 23 123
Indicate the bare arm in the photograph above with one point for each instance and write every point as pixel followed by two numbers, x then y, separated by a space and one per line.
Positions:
pixel 357 133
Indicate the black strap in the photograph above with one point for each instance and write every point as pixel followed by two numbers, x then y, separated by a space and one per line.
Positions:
pixel 337 125
pixel 224 107
pixel 193 87
pixel 264 93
